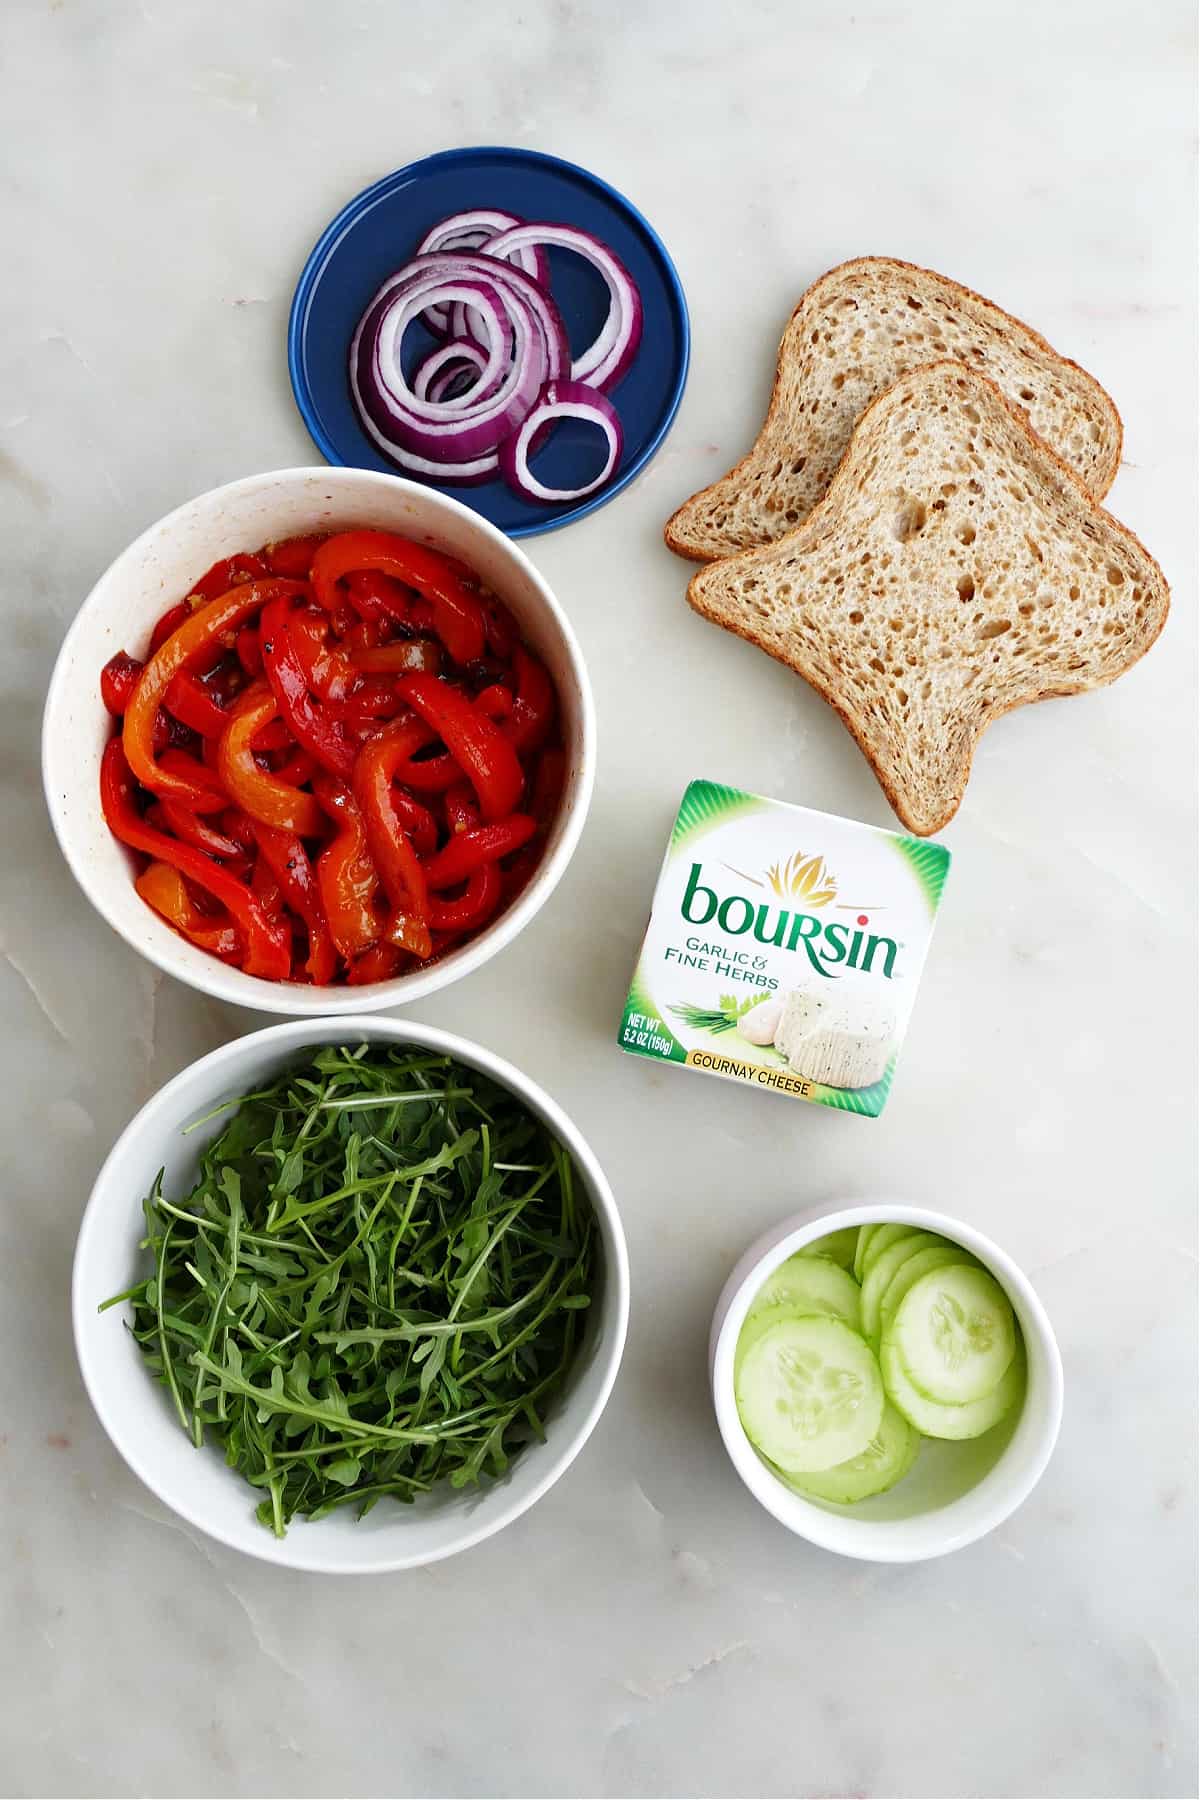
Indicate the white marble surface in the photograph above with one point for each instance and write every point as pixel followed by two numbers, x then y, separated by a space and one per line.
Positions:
pixel 646 1630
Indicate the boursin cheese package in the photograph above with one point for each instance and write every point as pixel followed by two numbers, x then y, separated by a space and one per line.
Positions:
pixel 784 948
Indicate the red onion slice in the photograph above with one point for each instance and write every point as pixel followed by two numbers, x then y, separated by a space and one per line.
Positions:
pixel 445 366
pixel 610 353
pixel 467 231
pixel 526 347
pixel 560 400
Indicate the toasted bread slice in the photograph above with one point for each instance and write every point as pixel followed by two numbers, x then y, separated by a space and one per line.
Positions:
pixel 853 333
pixel 955 569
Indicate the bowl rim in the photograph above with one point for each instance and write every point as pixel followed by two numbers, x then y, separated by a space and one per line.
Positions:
pixel 292 999
pixel 292 1552
pixel 840 1532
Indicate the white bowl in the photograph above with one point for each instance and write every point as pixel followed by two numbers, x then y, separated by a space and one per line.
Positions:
pixel 956 1492
pixel 134 1408
pixel 157 569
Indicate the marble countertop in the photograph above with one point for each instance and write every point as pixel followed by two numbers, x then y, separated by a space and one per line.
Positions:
pixel 646 1629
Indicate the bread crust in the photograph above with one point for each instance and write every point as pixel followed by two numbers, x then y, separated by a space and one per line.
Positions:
pixel 898 800
pixel 673 530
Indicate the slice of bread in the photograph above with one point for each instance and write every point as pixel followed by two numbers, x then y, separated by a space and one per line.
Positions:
pixel 853 333
pixel 955 569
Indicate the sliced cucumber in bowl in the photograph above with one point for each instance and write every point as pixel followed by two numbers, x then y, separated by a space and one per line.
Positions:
pixel 881 1266
pixel 836 1384
pixel 955 1422
pixel 810 1284
pixel 886 1460
pixel 955 1334
pixel 808 1391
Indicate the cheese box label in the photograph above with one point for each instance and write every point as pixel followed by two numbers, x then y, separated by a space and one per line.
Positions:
pixel 784 948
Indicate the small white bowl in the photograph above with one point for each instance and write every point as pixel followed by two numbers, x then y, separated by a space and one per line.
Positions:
pixel 135 1411
pixel 956 1492
pixel 158 569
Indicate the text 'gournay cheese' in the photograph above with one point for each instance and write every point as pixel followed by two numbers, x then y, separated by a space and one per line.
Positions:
pixel 784 948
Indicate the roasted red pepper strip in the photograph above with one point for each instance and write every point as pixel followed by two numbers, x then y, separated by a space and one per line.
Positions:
pixel 249 650
pixel 169 624
pixel 462 813
pixel 346 876
pixel 207 795
pixel 485 756
pixel 495 700
pixel 263 796
pixel 194 639
pixel 230 572
pixel 457 615
pixel 547 786
pixel 118 678
pixel 377 597
pixel 289 861
pixel 317 731
pixel 327 667
pixel 164 888
pixel 293 556
pixel 382 962
pixel 409 933
pixel 188 700
pixel 394 857
pixel 190 828
pixel 268 952
pixel 484 892
pixel 471 849
pixel 410 655
pixel 500 627
pixel 533 708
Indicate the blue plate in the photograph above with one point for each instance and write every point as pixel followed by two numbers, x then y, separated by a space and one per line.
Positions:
pixel 382 227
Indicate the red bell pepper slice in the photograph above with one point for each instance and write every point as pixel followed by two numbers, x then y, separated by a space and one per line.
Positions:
pixel 457 614
pixel 327 667
pixel 169 624
pixel 262 795
pixel 249 650
pixel 483 894
pixel 289 862
pixel 483 753
pixel 462 814
pixel 293 556
pixel 206 793
pixel 546 788
pixel 377 598
pixel 500 628
pixel 190 828
pixel 164 888
pixel 382 962
pixel 188 700
pixel 346 876
pixel 229 572
pixel 316 730
pixel 194 639
pixel 409 656
pixel 495 700
pixel 118 678
pixel 267 950
pixel 533 707
pixel 470 850
pixel 394 856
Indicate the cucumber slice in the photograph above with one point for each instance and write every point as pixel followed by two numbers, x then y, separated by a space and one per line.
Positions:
pixel 810 1284
pixel 881 1267
pixel 959 1422
pixel 885 1461
pixel 865 1234
pixel 838 1246
pixel 955 1334
pixel 922 1262
pixel 881 1237
pixel 808 1391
